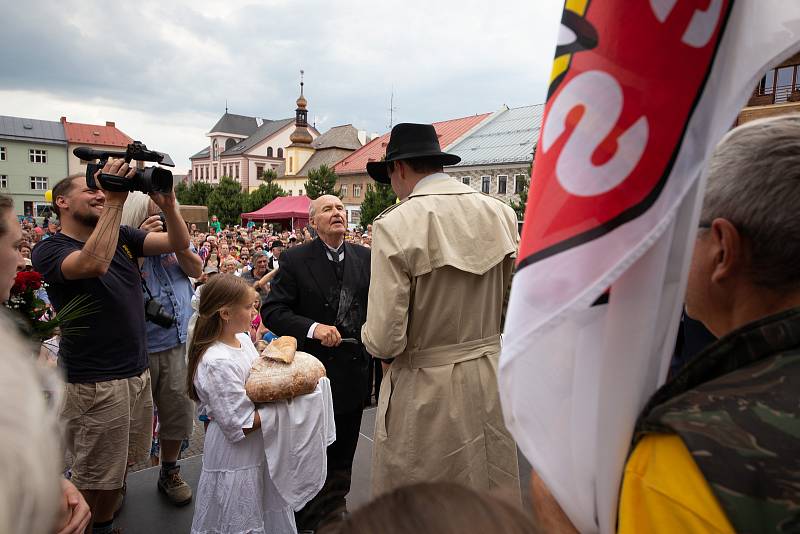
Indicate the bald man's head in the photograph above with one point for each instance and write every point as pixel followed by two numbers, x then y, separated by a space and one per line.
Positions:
pixel 329 218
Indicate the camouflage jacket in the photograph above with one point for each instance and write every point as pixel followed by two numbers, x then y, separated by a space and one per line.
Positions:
pixel 736 406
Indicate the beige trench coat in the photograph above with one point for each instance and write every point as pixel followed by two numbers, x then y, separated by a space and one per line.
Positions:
pixel 441 263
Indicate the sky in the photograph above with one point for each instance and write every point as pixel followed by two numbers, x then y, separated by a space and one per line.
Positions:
pixel 163 71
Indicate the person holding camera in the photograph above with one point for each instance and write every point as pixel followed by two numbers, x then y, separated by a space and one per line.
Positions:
pixel 108 406
pixel 168 309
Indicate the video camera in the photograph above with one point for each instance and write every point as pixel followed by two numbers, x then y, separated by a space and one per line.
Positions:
pixel 149 180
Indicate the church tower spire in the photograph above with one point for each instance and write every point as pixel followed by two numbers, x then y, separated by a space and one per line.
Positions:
pixel 300 151
pixel 301 135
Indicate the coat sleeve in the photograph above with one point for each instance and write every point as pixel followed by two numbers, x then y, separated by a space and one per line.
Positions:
pixel 384 333
pixel 277 313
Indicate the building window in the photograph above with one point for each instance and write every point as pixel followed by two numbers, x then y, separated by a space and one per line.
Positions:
pixel 520 183
pixel 485 184
pixel 39 183
pixel 3 181
pixel 216 150
pixel 780 83
pixel 502 181
pixel 343 191
pixel 236 170
pixel 269 151
pixel 215 172
pixel 280 152
pixel 357 190
pixel 465 180
pixel 355 216
pixel 2 153
pixel 290 192
pixel 37 156
pixel 300 192
pixel 259 171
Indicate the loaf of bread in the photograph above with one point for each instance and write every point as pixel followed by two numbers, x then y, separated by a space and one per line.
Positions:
pixel 273 378
pixel 282 349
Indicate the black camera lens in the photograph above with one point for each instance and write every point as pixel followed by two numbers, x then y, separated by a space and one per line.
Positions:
pixel 154 180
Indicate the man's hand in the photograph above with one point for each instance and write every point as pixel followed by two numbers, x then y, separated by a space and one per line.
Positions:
pixel 116 166
pixel 75 512
pixel 152 224
pixel 546 509
pixel 165 201
pixel 328 335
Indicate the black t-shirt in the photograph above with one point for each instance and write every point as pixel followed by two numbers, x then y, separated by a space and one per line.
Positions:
pixel 114 345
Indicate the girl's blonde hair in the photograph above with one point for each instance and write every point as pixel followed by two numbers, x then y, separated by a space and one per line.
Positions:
pixel 219 292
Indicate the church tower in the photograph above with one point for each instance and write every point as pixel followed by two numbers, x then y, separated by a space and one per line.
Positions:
pixel 300 151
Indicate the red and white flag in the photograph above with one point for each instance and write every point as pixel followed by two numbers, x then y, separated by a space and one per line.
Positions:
pixel 642 90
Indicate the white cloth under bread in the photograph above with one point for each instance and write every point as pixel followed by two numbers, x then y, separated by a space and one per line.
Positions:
pixel 296 435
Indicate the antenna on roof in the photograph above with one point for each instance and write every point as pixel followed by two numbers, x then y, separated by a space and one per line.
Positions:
pixel 302 72
pixel 226 105
pixel 392 109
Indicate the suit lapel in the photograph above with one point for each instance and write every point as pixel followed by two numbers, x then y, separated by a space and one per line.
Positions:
pixel 321 272
pixel 352 263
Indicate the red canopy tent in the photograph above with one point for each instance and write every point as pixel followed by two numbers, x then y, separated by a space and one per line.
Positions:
pixel 291 210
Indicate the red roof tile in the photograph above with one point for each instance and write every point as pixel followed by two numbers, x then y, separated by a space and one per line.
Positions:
pixel 94 134
pixel 448 131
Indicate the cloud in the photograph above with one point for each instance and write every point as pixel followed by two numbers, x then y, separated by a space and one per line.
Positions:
pixel 163 70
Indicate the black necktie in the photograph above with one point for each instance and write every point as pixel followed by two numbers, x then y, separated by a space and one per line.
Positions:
pixel 336 254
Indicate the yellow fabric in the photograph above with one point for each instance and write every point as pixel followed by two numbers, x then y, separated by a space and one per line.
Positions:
pixel 663 490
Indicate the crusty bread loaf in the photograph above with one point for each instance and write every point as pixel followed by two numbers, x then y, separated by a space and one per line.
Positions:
pixel 272 379
pixel 282 349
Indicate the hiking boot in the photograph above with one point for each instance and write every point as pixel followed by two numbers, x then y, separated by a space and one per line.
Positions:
pixel 174 487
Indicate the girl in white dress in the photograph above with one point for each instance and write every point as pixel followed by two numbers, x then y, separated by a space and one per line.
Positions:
pixel 236 494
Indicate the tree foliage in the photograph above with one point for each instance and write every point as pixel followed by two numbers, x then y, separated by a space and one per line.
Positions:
pixel 321 181
pixel 519 207
pixel 268 175
pixel 266 193
pixel 194 195
pixel 226 201
pixel 377 198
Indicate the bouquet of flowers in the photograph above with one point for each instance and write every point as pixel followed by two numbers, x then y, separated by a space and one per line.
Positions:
pixel 34 316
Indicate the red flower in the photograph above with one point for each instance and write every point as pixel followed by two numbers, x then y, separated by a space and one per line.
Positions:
pixel 27 280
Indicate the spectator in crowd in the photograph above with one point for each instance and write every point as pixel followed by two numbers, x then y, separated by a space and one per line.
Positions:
pixel 228 265
pixel 435 308
pixel 440 507
pixel 25 250
pixel 167 278
pixel 275 249
pixel 259 276
pixel 319 297
pixel 215 225
pixel 109 409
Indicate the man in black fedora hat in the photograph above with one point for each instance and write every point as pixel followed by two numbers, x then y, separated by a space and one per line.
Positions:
pixel 441 264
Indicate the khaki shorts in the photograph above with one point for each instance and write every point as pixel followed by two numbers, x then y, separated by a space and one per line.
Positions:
pixel 108 424
pixel 175 408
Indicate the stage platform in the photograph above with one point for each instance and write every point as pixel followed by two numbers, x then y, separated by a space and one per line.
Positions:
pixel 146 511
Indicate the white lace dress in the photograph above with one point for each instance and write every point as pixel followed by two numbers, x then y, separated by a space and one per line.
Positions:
pixel 236 494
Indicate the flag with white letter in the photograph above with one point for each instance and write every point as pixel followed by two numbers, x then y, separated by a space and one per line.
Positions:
pixel 641 92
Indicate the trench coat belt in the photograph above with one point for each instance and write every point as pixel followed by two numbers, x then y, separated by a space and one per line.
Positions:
pixel 449 354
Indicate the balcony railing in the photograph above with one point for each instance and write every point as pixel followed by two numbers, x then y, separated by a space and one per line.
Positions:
pixel 778 95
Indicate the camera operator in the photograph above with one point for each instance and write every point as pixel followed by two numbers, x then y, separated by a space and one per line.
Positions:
pixel 167 279
pixel 108 408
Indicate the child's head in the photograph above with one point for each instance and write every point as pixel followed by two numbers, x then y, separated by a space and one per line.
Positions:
pixel 442 507
pixel 226 305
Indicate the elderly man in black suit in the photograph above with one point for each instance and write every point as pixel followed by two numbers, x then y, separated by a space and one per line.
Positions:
pixel 320 297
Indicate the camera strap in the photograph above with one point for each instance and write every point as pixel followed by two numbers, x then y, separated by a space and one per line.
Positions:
pixel 138 269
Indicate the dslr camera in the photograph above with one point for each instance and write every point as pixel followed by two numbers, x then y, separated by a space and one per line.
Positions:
pixel 154 312
pixel 149 180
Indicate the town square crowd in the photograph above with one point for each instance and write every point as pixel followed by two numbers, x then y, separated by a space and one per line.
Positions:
pixel 406 312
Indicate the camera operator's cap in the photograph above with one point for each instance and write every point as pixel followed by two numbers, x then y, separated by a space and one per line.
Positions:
pixel 407 141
